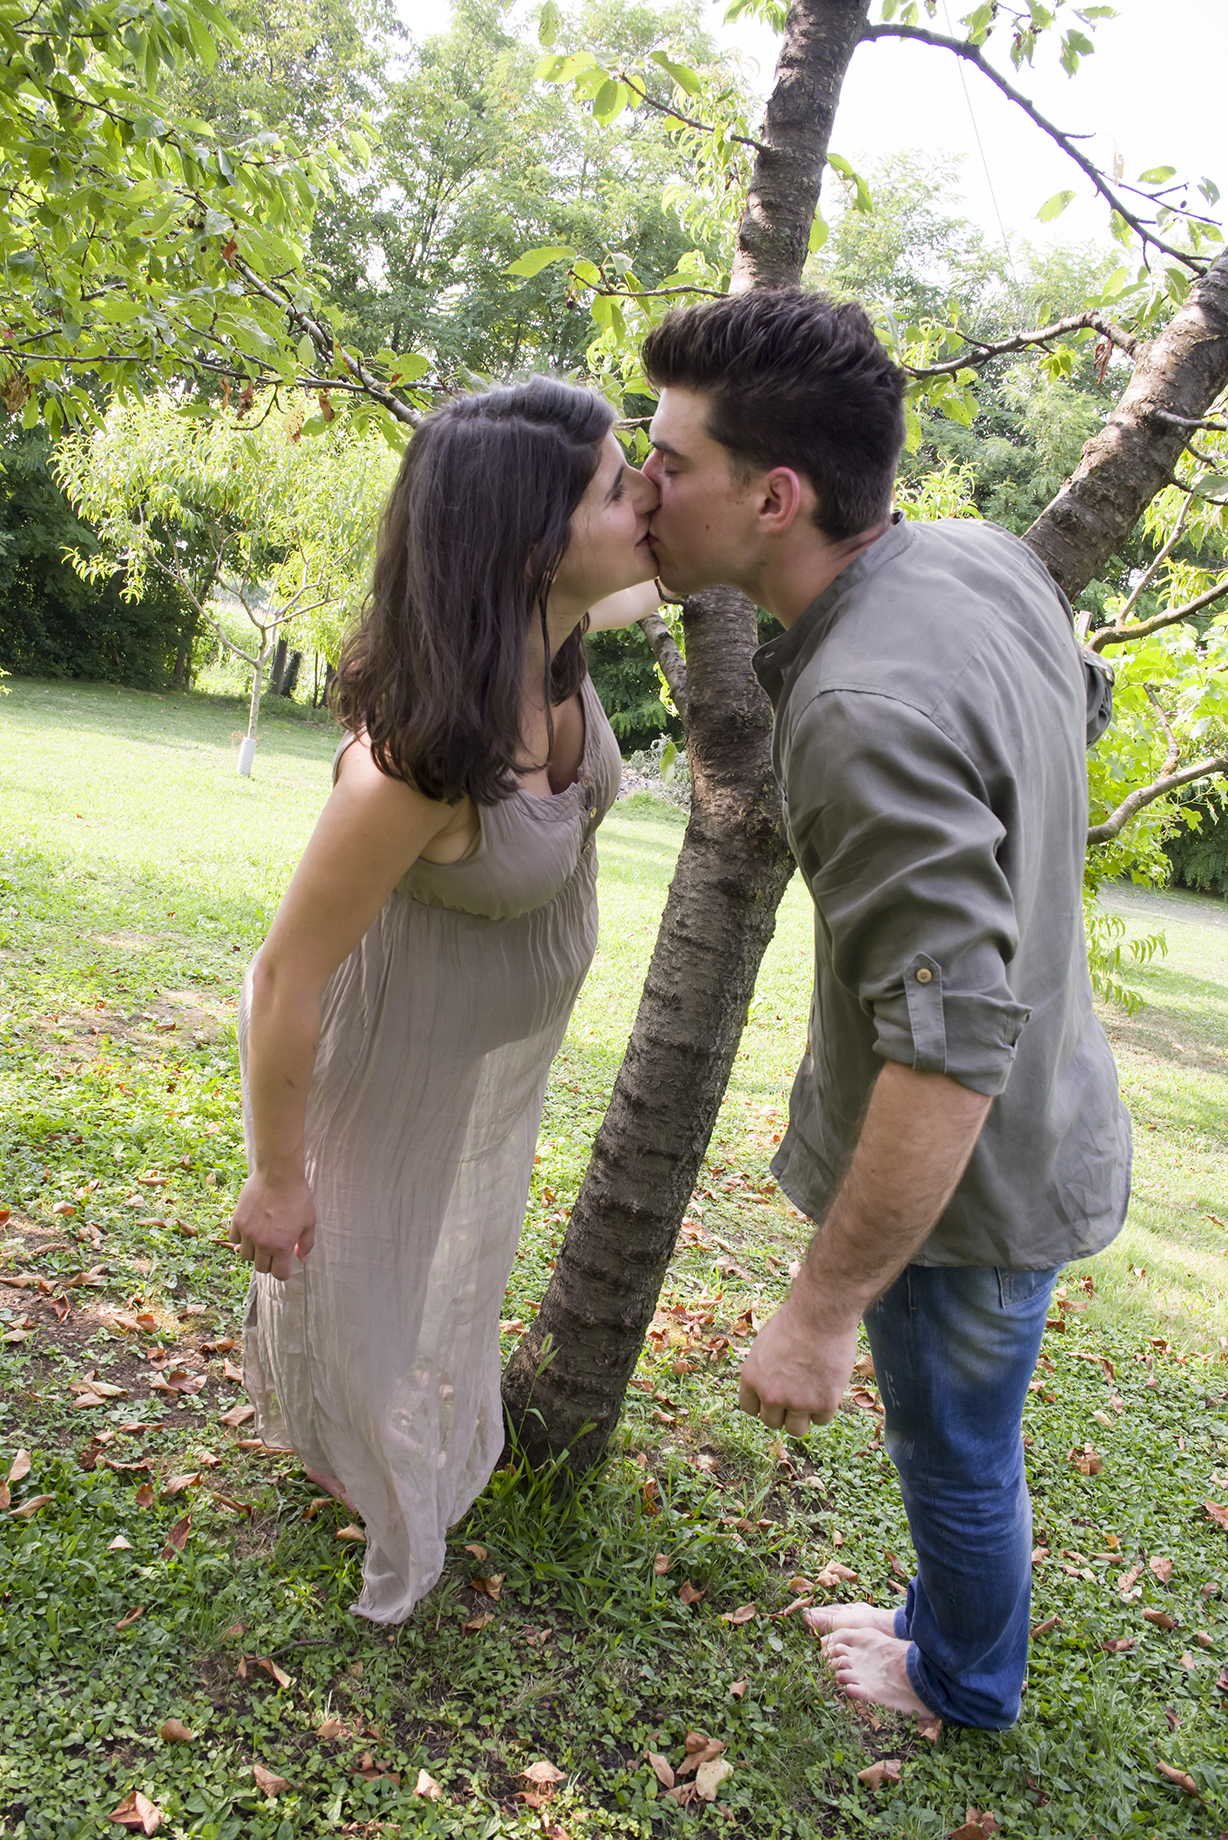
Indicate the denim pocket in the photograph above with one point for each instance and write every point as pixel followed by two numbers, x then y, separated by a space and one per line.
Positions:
pixel 1017 1287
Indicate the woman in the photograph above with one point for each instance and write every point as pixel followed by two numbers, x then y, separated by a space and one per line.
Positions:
pixel 399 1021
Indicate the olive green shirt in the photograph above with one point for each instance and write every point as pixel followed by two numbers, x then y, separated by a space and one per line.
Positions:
pixel 931 713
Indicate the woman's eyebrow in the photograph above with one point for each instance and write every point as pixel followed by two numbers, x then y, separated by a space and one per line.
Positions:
pixel 616 481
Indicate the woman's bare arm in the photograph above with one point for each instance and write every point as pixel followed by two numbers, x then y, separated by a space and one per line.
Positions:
pixel 624 608
pixel 367 836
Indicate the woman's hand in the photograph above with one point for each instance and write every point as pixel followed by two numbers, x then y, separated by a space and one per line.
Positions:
pixel 624 608
pixel 271 1222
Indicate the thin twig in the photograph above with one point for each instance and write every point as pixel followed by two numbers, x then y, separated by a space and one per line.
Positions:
pixel 1191 421
pixel 1174 746
pixel 664 108
pixel 1020 341
pixel 1143 795
pixel 1122 635
pixel 972 54
pixel 1157 561
pixel 668 657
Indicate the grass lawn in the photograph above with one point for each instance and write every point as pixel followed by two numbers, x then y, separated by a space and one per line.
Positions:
pixel 160 1565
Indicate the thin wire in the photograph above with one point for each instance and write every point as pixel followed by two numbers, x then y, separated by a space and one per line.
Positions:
pixel 1006 242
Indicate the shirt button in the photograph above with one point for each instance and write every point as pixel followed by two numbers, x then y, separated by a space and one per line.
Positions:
pixel 924 976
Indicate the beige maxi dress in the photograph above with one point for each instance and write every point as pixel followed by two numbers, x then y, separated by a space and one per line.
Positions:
pixel 378 1360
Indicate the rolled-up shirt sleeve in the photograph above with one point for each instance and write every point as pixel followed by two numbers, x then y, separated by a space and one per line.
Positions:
pixel 893 829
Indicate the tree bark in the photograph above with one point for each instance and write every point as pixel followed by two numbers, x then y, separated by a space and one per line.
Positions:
pixel 1177 376
pixel 774 236
pixel 721 912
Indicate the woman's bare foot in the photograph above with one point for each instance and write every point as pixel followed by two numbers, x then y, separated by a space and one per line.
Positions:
pixel 870 1665
pixel 331 1484
pixel 850 1616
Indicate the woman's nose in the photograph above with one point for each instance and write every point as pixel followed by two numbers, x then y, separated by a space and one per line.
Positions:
pixel 648 496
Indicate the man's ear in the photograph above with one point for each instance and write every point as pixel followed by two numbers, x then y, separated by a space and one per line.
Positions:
pixel 783 498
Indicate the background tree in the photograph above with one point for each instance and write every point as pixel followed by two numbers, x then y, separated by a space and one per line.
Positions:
pixel 565 1382
pixel 282 527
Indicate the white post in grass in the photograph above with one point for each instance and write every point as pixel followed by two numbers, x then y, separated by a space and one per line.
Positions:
pixel 247 747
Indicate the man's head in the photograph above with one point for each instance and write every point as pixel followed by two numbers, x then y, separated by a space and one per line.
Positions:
pixel 779 427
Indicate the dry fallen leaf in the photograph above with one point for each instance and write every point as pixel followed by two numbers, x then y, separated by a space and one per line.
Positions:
pixel 427 1786
pixel 543 1775
pixel 479 1552
pixel 661 1565
pixel 145 1495
pixel 32 1506
pixel 273 1786
pixel 177 1484
pixel 1215 1510
pixel 977 1826
pixel 742 1614
pixel 120 1544
pixel 136 1810
pixel 1117 1645
pixel 173 1731
pixel 662 1768
pixel 834 1574
pixel 331 1728
pixel 488 1586
pixel 737 1689
pixel 1042 1629
pixel 1162 1567
pixel 238 1415
pixel 887 1770
pixel 270 1667
pixel 350 1533
pixel 1182 1778
pixel 177 1538
pixel 700 1749
pixel 709 1777
pixel 477 1622
pixel 929 1727
pixel 1160 1618
pixel 231 1372
pixel 132 1616
pixel 689 1595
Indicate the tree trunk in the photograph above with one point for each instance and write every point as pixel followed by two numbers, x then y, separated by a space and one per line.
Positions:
pixel 277 668
pixel 289 677
pixel 721 912
pixel 1176 379
pixel 247 747
pixel 774 235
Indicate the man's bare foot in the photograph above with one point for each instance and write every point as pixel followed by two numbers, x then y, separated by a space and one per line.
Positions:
pixel 330 1484
pixel 850 1616
pixel 870 1665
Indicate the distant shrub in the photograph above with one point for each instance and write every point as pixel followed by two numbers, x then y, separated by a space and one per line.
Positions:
pixel 1200 857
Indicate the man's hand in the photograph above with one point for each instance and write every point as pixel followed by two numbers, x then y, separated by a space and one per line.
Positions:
pixel 796 1371
pixel 272 1222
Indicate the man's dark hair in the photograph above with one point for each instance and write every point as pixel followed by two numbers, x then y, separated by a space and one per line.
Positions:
pixel 797 380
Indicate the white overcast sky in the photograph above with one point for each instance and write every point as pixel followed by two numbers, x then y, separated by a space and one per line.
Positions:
pixel 1153 89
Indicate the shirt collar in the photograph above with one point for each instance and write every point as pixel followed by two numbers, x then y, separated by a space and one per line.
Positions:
pixel 781 658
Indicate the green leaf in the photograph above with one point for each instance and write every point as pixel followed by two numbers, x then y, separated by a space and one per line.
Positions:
pixel 682 74
pixel 548 23
pixel 862 200
pixel 1053 207
pixel 610 101
pixel 819 233
pixel 550 68
pixel 409 367
pixel 1178 283
pixel 533 261
pixel 1212 486
pixel 1156 175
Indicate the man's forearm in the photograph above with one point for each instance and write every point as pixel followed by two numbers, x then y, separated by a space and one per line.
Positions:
pixel 918 1133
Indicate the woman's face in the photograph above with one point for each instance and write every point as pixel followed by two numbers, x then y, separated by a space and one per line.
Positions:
pixel 609 533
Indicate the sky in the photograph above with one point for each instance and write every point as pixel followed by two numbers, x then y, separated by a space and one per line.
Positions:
pixel 1153 90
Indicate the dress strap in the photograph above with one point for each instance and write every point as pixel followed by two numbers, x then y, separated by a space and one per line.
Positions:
pixel 345 742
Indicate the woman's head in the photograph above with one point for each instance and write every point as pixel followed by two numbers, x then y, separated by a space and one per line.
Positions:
pixel 475 529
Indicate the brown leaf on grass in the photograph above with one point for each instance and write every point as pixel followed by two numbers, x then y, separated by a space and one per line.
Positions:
pixel 427 1786
pixel 1117 1645
pixel 218 1347
pixel 132 1616
pixel 231 1372
pixel 661 1565
pixel 273 1786
pixel 864 1366
pixel 30 1507
pixel 350 1533
pixel 19 1468
pixel 709 1777
pixel 177 1538
pixel 662 1768
pixel 238 1415
pixel 1214 1510
pixel 1182 1778
pixel 174 1731
pixel 1129 1579
pixel 977 1826
pixel 270 1667
pixel 886 1770
pixel 370 1771
pixel 835 1574
pixel 743 1614
pixel 700 1748
pixel 543 1775
pixel 477 1622
pixel 478 1551
pixel 313 1507
pixel 1160 1618
pixel 1188 1662
pixel 1086 1461
pixel 1162 1567
pixel 800 1586
pixel 178 1484
pixel 895 1565
pixel 929 1727
pixel 689 1595
pixel 136 1810
pixel 60 1306
pixel 799 1603
pixel 867 1401
pixel 737 1689
pixel 228 1501
pixel 488 1586
pixel 1042 1629
pixel 331 1728
pixel 144 1495
pixel 684 1794
pixel 120 1544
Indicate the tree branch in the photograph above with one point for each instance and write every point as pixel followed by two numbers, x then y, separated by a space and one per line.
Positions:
pixel 1122 635
pixel 668 657
pixel 1174 746
pixel 663 108
pixel 1041 335
pixel 972 55
pixel 1192 421
pixel 1143 795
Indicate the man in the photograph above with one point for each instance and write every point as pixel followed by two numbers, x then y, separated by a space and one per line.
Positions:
pixel 955 1126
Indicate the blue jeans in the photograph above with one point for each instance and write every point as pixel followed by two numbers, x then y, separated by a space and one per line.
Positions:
pixel 954 1349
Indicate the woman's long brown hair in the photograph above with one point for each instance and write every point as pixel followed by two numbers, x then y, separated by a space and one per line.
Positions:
pixel 477 523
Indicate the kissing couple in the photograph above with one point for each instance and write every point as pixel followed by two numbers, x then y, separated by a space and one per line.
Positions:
pixel 956 1133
